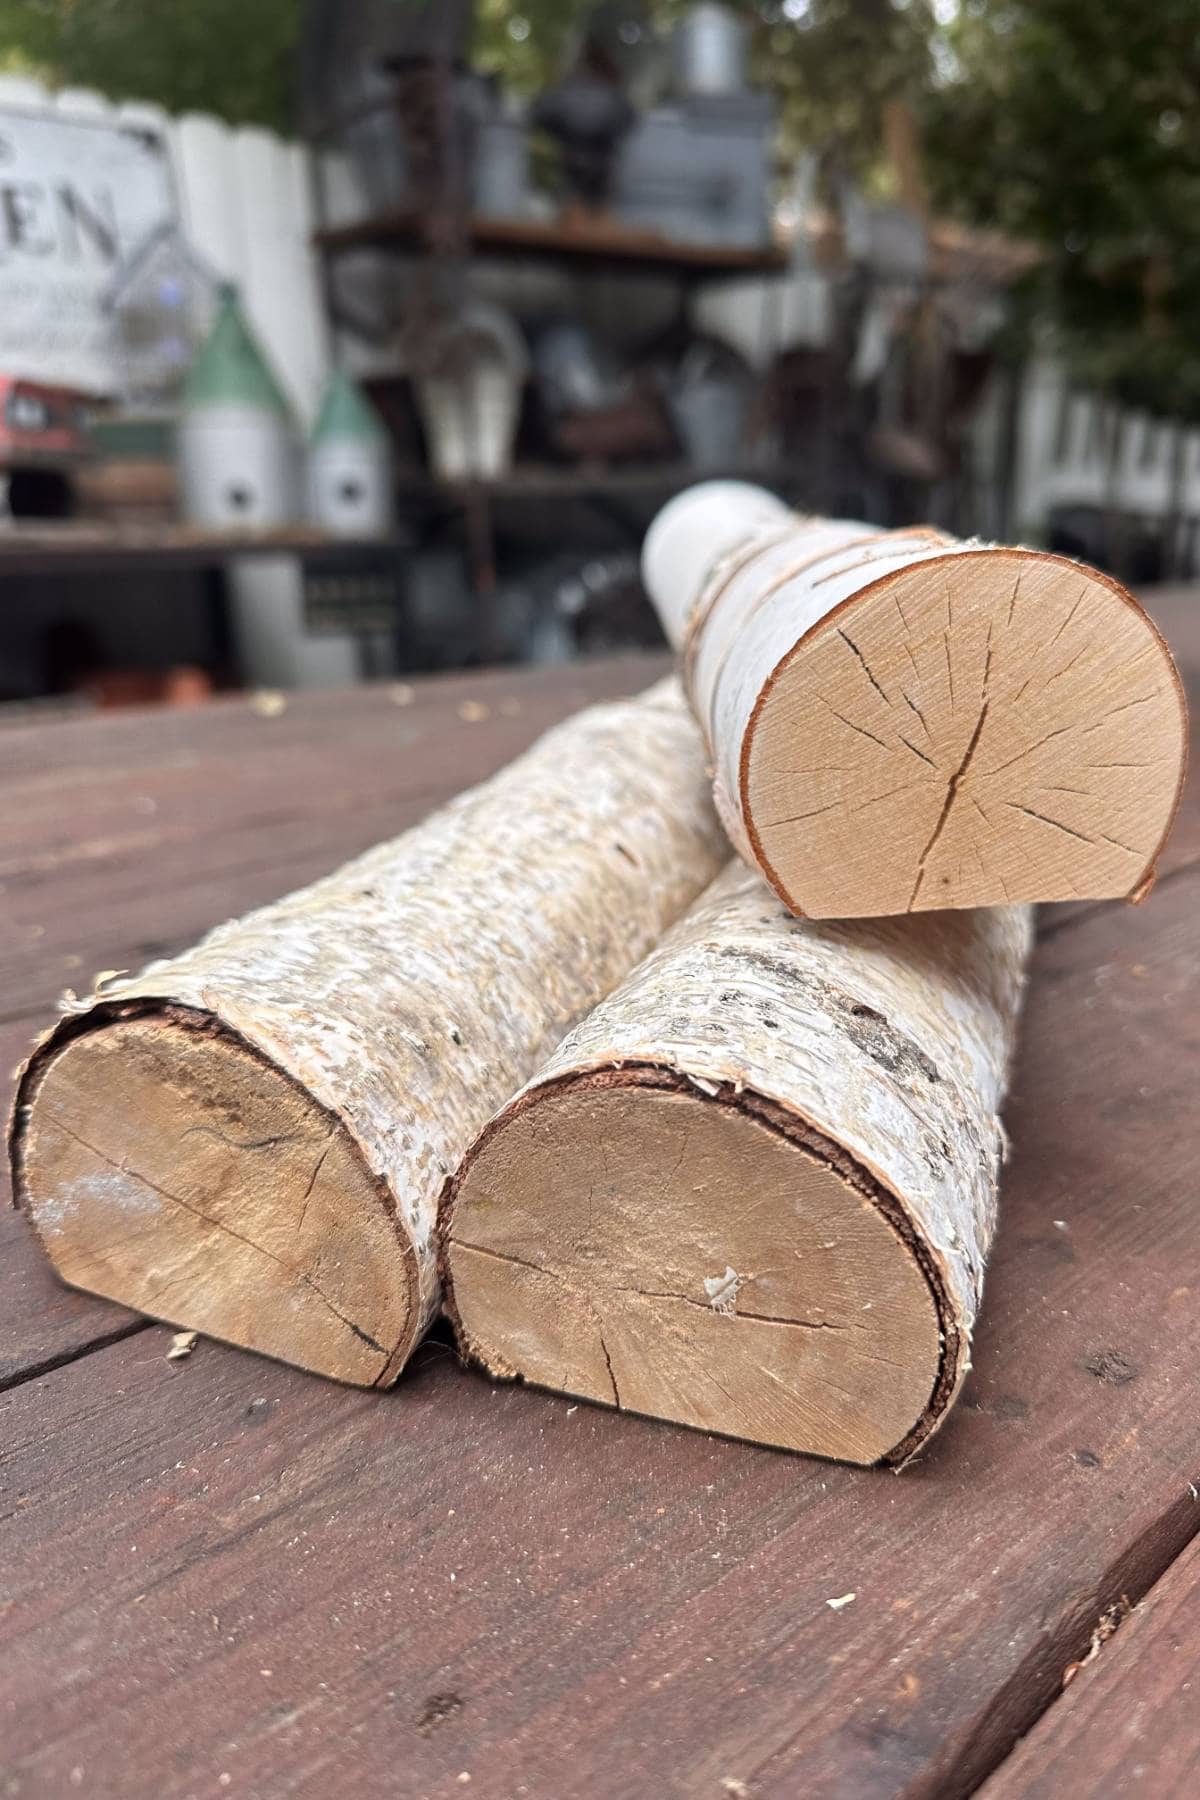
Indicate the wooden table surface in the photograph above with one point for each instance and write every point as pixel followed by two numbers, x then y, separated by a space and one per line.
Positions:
pixel 222 1577
pixel 91 547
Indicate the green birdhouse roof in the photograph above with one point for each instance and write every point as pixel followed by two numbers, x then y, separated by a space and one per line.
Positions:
pixel 230 369
pixel 346 413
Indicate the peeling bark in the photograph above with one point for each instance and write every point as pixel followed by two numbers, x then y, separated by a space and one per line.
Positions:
pixel 754 1190
pixel 249 1140
pixel 899 721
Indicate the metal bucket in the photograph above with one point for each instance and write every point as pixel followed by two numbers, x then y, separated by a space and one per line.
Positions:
pixel 708 51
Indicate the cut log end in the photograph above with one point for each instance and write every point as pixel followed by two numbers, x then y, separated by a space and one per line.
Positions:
pixel 982 727
pixel 171 1168
pixel 701 1258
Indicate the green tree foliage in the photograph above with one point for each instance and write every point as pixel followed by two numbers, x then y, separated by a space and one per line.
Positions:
pixel 524 40
pixel 1077 122
pixel 1073 122
pixel 831 64
pixel 834 64
pixel 230 57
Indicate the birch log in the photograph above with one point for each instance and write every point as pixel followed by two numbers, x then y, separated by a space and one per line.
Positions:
pixel 250 1140
pixel 754 1190
pixel 898 721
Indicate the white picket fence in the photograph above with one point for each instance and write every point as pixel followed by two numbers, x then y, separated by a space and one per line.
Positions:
pixel 245 203
pixel 1078 449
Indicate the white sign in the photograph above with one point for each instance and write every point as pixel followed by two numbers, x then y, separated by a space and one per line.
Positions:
pixel 77 197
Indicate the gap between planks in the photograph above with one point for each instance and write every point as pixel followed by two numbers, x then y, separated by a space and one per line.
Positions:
pixel 48 1364
pixel 1134 1574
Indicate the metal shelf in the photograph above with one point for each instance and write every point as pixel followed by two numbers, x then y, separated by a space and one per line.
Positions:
pixel 577 238
pixel 541 481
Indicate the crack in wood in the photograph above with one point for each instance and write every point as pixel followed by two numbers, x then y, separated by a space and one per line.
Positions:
pixel 149 1301
pixel 797 818
pixel 909 745
pixel 861 729
pixel 1118 845
pixel 1126 706
pixel 736 1312
pixel 608 1365
pixel 1078 603
pixel 866 667
pixel 955 782
pixel 1045 819
pixel 646 1293
pixel 1082 651
pixel 264 1143
pixel 889 794
pixel 1053 927
pixel 1059 731
pixel 219 1225
pixel 911 703
pixel 312 1182
pixel 508 1256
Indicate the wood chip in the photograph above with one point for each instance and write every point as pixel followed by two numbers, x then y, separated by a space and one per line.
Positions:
pixel 268 703
pixel 182 1344
pixel 1106 1626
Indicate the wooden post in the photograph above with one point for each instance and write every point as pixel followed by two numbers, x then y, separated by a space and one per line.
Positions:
pixel 899 721
pixel 250 1140
pixel 754 1190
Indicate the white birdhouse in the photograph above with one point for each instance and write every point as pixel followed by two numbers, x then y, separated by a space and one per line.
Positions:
pixel 237 442
pixel 349 474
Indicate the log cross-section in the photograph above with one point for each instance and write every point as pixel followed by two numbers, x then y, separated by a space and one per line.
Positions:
pixel 754 1190
pixel 900 722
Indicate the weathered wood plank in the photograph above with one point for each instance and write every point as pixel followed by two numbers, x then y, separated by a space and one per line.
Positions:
pixel 148 899
pixel 181 788
pixel 121 741
pixel 184 800
pixel 747 1545
pixel 1127 1722
pixel 180 784
pixel 637 1609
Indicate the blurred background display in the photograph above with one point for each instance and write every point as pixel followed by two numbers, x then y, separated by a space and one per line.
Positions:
pixel 344 339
